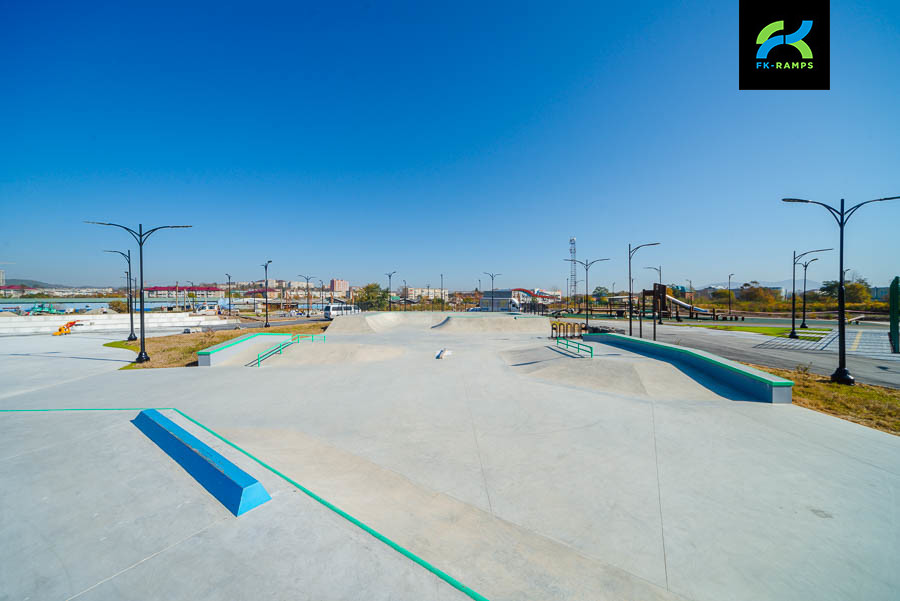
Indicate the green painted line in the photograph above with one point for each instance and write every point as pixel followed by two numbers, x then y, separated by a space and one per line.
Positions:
pixel 403 551
pixel 771 380
pixel 359 524
pixel 87 409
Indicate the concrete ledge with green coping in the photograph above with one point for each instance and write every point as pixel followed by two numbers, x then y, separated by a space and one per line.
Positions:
pixel 757 384
pixel 218 354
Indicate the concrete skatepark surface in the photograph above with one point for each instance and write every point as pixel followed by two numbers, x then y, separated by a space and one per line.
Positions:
pixel 522 471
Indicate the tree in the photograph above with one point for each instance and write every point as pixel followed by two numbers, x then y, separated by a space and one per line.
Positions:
pixel 755 293
pixel 857 292
pixel 372 297
pixel 601 292
pixel 829 288
pixel 722 295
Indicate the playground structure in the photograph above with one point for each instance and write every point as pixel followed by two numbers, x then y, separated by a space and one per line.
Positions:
pixel 538 302
pixel 658 303
pixel 66 328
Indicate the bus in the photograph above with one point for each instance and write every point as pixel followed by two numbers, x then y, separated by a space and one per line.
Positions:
pixel 332 311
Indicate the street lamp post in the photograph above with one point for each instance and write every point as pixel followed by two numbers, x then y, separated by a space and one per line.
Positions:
pixel 322 295
pixel 140 236
pixel 587 265
pixel 797 258
pixel 405 295
pixel 657 270
pixel 805 265
pixel 193 285
pixel 492 276
pixel 730 275
pixel 442 292
pixel 127 258
pixel 390 276
pixel 631 252
pixel 841 374
pixel 265 266
pixel 307 278
pixel 228 275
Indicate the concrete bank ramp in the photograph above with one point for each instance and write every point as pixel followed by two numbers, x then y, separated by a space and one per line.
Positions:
pixel 626 374
pixel 470 323
pixel 474 324
pixel 333 353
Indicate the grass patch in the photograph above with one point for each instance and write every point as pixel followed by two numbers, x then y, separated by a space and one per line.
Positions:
pixel 779 331
pixel 180 350
pixel 873 406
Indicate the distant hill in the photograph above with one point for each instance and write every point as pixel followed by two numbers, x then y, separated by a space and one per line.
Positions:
pixel 33 283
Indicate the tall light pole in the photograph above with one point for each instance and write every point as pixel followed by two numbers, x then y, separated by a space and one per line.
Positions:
pixel 797 258
pixel 193 285
pixel 127 258
pixel 730 275
pixel 265 266
pixel 140 236
pixel 405 295
pixel 389 277
pixel 322 295
pixel 492 275
pixel 841 374
pixel 228 275
pixel 631 252
pixel 307 278
pixel 805 265
pixel 657 270
pixel 442 292
pixel 587 265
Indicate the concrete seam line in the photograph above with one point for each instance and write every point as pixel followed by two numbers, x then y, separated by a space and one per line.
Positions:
pixel 361 525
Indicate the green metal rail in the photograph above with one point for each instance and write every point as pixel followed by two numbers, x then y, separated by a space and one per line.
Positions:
pixel 578 346
pixel 278 348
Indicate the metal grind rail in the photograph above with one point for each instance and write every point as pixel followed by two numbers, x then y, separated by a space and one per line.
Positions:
pixel 578 346
pixel 279 348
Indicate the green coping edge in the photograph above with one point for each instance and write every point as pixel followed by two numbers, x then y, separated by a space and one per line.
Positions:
pixel 746 371
pixel 238 340
pixel 368 529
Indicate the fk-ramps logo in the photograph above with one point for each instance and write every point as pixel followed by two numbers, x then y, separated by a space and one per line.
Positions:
pixel 784 45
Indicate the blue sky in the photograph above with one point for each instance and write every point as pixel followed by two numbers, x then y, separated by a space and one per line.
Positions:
pixel 351 140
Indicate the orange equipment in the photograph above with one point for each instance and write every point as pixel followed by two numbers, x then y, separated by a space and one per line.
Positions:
pixel 66 329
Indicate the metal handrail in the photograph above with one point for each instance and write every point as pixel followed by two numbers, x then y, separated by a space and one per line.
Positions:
pixel 578 346
pixel 278 348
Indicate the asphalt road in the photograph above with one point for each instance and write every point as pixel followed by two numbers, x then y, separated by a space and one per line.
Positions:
pixel 741 346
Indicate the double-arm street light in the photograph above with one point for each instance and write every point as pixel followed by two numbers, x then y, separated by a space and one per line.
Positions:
pixel 307 278
pixel 797 258
pixel 631 252
pixel 193 285
pixel 265 266
pixel 140 236
pixel 587 265
pixel 390 277
pixel 805 265
pixel 841 374
pixel 492 276
pixel 228 275
pixel 730 275
pixel 127 258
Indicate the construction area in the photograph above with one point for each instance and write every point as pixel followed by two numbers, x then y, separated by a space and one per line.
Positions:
pixel 433 456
